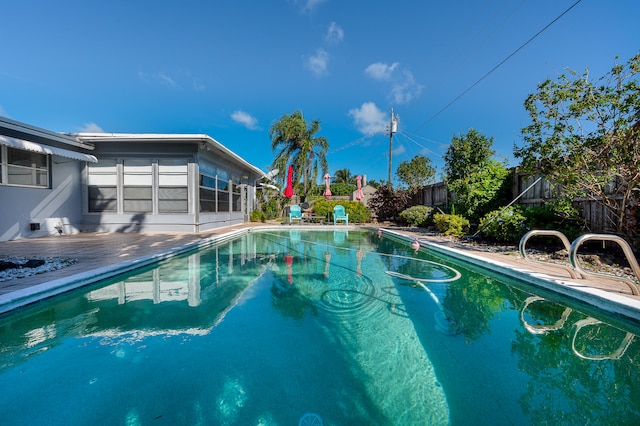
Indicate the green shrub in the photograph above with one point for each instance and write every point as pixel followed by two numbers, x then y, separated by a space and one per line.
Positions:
pixel 506 225
pixel 555 217
pixel 418 216
pixel 451 224
pixel 272 208
pixel 358 212
pixel 258 216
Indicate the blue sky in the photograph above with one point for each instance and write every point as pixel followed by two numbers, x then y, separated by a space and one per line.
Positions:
pixel 231 68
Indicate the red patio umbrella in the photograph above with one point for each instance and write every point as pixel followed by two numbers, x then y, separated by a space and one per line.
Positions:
pixel 359 194
pixel 288 191
pixel 327 190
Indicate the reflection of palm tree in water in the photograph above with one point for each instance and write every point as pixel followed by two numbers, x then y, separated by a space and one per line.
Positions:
pixel 359 256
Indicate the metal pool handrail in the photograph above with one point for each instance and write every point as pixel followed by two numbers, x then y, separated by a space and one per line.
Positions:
pixel 548 232
pixel 573 258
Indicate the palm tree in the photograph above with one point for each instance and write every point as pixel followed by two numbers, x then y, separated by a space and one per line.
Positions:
pixel 299 147
pixel 342 176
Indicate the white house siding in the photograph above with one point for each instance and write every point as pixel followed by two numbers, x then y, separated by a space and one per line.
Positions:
pixel 60 205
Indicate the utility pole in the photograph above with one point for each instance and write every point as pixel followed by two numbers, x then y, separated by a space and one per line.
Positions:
pixel 393 127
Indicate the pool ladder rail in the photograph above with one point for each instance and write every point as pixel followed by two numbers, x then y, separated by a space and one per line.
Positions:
pixel 574 269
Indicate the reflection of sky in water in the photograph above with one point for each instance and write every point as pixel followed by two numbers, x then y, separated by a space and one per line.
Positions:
pixel 268 327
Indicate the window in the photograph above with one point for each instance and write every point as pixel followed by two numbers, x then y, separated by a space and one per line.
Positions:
pixel 137 186
pixel 27 168
pixel 223 192
pixel 173 193
pixel 207 188
pixel 102 182
pixel 236 192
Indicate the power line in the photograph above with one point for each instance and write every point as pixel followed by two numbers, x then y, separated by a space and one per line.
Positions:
pixel 496 67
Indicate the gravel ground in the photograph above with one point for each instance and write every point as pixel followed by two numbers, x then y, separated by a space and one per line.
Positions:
pixel 50 264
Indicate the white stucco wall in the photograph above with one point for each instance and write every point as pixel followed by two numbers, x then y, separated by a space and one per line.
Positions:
pixel 60 205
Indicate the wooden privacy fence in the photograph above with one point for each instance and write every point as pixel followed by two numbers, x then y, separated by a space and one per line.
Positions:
pixel 597 217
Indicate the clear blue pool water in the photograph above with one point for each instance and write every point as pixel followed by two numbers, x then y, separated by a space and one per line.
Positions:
pixel 358 330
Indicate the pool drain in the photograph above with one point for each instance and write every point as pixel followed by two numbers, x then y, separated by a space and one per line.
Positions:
pixel 310 419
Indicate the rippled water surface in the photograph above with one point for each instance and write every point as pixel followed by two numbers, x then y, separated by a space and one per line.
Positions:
pixel 344 326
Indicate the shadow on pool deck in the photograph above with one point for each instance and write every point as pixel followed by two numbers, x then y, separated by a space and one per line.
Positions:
pixel 97 250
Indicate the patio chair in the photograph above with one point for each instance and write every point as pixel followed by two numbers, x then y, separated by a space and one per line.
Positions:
pixel 340 215
pixel 295 213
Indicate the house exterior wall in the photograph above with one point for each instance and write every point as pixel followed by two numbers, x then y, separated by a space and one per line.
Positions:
pixel 47 207
pixel 193 220
pixel 141 182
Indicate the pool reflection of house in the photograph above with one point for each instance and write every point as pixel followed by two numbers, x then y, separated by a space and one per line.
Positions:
pixel 190 295
pixel 72 182
pixel 209 280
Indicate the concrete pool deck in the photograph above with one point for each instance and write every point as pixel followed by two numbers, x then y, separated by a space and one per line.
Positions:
pixel 98 252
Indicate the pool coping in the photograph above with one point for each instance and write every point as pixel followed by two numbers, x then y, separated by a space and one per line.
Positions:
pixel 610 302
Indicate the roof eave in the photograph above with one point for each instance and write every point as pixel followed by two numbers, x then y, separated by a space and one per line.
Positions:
pixel 27 132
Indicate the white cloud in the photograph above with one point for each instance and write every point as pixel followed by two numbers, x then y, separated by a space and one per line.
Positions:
pixel 91 128
pixel 401 149
pixel 246 119
pixel 308 6
pixel 335 33
pixel 160 77
pixel 381 71
pixel 368 119
pixel 318 62
pixel 166 79
pixel 404 87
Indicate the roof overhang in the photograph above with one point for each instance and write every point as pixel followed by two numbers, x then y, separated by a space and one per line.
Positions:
pixel 205 142
pixel 45 149
pixel 18 130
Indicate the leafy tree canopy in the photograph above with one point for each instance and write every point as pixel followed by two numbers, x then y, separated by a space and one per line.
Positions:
pixel 474 176
pixel 342 176
pixel 585 135
pixel 416 173
pixel 296 144
pixel 466 153
pixel 481 191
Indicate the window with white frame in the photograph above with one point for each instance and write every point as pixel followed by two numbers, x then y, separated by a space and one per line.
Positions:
pixel 23 168
pixel 102 182
pixel 137 187
pixel 173 186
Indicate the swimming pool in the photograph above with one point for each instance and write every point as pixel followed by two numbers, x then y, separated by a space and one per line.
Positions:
pixel 271 326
